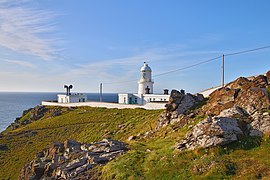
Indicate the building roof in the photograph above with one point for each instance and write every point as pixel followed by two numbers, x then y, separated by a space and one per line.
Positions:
pixel 145 67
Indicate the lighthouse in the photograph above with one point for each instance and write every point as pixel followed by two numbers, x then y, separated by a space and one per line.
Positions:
pixel 145 91
pixel 145 83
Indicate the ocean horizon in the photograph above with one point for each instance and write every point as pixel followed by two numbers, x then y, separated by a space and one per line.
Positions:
pixel 12 104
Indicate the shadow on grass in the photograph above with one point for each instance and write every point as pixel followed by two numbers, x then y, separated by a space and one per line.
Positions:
pixel 245 143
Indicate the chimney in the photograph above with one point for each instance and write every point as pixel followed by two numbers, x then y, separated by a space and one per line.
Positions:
pixel 166 91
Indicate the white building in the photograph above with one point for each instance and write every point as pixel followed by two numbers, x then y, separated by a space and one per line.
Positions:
pixel 71 98
pixel 145 90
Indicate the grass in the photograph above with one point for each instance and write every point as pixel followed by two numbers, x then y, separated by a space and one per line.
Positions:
pixel 149 158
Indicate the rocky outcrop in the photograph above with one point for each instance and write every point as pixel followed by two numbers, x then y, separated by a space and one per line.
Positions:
pixel 71 159
pixel 241 108
pixel 179 104
pixel 260 124
pixel 249 94
pixel 226 128
pixel 34 114
pixel 211 132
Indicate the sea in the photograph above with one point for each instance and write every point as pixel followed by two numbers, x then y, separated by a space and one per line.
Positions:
pixel 12 104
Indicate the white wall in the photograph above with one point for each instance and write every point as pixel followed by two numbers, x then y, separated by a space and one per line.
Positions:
pixel 73 98
pixel 143 85
pixel 156 98
pixel 129 99
pixel 149 106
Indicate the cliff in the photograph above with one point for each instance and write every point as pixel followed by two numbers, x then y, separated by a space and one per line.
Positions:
pixel 223 137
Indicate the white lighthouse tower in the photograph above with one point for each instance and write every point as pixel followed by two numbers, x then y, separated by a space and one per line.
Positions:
pixel 145 82
pixel 145 91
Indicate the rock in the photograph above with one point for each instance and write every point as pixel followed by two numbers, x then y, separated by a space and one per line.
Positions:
pixel 34 114
pixel 233 112
pixel 268 77
pixel 83 168
pixel 98 160
pixel 72 145
pixel 121 126
pixel 219 100
pixel 253 99
pixel 260 81
pixel 248 94
pixel 260 124
pixel 179 103
pixel 3 147
pixel 187 102
pixel 211 132
pixel 237 113
pixel 71 159
pixel 130 138
pixel 176 96
pixel 56 112
pixel 85 147
pixel 240 83
pixel 75 164
pixel 38 112
pixel 199 97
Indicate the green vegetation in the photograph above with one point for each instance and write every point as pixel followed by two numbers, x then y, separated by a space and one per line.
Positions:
pixel 153 157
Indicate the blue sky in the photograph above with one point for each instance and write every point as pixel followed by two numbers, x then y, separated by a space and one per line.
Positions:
pixel 47 43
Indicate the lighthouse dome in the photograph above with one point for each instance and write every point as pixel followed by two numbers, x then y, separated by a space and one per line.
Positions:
pixel 145 67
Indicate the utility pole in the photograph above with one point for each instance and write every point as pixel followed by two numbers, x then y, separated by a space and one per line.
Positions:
pixel 223 70
pixel 100 92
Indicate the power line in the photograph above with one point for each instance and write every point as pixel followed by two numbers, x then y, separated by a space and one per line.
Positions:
pixel 247 51
pixel 196 64
pixel 187 67
pixel 161 74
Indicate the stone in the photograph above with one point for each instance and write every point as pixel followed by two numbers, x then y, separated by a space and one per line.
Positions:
pixel 260 81
pixel 253 99
pixel 35 113
pixel 240 83
pixel 71 159
pixel 211 132
pixel 176 96
pixel 199 97
pixel 237 113
pixel 130 138
pixel 179 103
pixel 219 100
pixel 72 145
pixel 248 94
pixel 84 147
pixel 75 164
pixel 268 77
pixel 121 126
pixel 83 168
pixel 260 124
pixel 3 147
pixel 98 160
pixel 56 112
pixel 40 154
pixel 187 102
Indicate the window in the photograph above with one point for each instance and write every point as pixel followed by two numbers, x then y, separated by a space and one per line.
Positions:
pixel 161 99
pixel 150 99
pixel 154 99
pixel 124 99
pixel 135 100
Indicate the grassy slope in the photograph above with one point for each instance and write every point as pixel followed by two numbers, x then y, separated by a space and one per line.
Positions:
pixel 148 158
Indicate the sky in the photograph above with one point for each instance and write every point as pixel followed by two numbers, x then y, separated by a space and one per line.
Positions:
pixel 48 43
